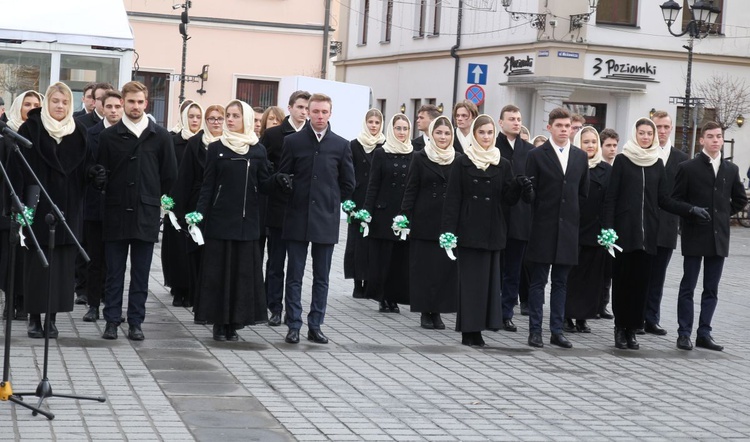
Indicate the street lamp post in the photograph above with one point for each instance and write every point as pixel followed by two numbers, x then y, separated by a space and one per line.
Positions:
pixel 184 20
pixel 703 16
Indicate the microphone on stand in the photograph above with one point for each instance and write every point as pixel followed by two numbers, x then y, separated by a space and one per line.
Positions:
pixel 13 135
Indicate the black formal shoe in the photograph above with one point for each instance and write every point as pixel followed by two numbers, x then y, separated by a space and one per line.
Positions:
pixel 683 343
pixel 426 321
pixel 135 333
pixel 220 332
pixel 232 333
pixel 535 340
pixel 605 314
pixel 478 340
pixel 708 343
pixel 467 339
pixel 317 336
pixel 654 329
pixel 393 307
pixel 631 340
pixel 292 336
pixel 383 307
pixel 437 322
pixel 92 315
pixel 177 301
pixel 81 300
pixel 569 326
pixel 21 314
pixel 53 332
pixel 199 322
pixel 582 326
pixel 639 331
pixel 35 329
pixel 110 331
pixel 524 309
pixel 560 340
pixel 508 325
pixel 620 341
pixel 187 303
pixel 275 319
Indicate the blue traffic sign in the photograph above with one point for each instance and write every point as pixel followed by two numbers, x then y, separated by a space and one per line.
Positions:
pixel 477 74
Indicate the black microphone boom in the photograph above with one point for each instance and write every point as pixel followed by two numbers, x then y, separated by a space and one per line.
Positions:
pixel 13 135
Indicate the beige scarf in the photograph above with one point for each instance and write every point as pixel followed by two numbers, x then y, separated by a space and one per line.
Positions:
pixel 368 140
pixel 597 158
pixel 434 153
pixel 14 114
pixel 58 129
pixel 482 158
pixel 638 155
pixel 464 140
pixel 136 128
pixel 177 128
pixel 185 132
pixel 392 144
pixel 240 142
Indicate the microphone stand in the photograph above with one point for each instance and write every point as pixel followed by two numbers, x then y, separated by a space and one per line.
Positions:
pixel 44 389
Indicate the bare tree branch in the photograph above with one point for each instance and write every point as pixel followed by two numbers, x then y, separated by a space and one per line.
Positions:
pixel 728 96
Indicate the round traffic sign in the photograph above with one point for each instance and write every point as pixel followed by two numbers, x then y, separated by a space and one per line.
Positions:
pixel 475 94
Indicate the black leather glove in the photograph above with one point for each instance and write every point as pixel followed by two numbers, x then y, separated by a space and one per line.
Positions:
pixel 527 187
pixel 98 176
pixel 285 182
pixel 700 213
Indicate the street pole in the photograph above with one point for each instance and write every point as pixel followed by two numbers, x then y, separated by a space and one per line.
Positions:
pixel 326 49
pixel 686 111
pixel 184 20
pixel 182 73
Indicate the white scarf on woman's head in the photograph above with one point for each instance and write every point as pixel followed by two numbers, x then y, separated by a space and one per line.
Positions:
pixel 368 140
pixel 208 137
pixel 240 142
pixel 482 158
pixel 597 158
pixel 392 144
pixel 14 114
pixel 436 154
pixel 58 129
pixel 185 132
pixel 177 128
pixel 638 155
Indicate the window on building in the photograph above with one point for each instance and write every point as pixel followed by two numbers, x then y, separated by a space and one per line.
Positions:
pixel 157 84
pixel 594 113
pixel 686 17
pixel 257 92
pixel 76 71
pixel 22 71
pixel 617 12
pixel 364 21
pixel 420 18
pixel 387 21
pixel 437 6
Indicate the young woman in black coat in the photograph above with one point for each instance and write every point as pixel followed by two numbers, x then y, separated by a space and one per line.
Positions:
pixel 231 292
pixel 388 255
pixel 363 149
pixel 637 189
pixel 481 184
pixel 433 277
pixel 587 280
pixel 187 189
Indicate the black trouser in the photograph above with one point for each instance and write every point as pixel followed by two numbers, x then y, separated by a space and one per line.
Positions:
pixel 659 265
pixel 97 268
pixel 630 275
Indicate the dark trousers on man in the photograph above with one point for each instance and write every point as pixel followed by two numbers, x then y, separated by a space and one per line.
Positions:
pixel 275 270
pixel 295 271
pixel 97 269
pixel 511 272
pixel 712 268
pixel 538 274
pixel 659 264
pixel 116 253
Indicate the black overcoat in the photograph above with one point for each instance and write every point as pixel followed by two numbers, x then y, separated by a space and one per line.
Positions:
pixel 89 120
pixel 518 216
pixel 180 144
pixel 187 188
pixel 426 191
pixel 418 143
pixel 273 140
pixel 592 208
pixel 140 170
pixel 668 222
pixel 722 195
pixel 94 204
pixel 385 191
pixel 362 163
pixel 323 178
pixel 556 208
pixel 632 204
pixel 473 209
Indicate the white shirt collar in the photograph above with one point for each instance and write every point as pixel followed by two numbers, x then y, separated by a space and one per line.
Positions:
pixel 296 129
pixel 426 139
pixel 558 148
pixel 322 133
pixel 715 162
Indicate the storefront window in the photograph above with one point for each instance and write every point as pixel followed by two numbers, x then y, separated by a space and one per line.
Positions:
pixel 594 113
pixel 78 70
pixel 22 71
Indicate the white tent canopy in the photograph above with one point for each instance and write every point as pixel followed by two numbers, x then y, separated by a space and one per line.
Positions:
pixel 80 22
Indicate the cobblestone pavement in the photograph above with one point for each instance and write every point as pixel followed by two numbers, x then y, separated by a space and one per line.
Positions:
pixel 382 377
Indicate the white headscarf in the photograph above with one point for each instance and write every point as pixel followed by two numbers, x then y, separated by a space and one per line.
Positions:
pixel 58 129
pixel 177 128
pixel 368 140
pixel 436 154
pixel 14 114
pixel 638 155
pixel 597 158
pixel 185 132
pixel 208 137
pixel 240 142
pixel 477 154
pixel 392 144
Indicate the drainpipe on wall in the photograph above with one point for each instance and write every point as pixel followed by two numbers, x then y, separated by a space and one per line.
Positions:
pixel 454 51
pixel 326 29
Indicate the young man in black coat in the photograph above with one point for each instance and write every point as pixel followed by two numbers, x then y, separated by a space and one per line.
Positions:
pixel 710 182
pixel 321 163
pixel 141 166
pixel 425 115
pixel 273 140
pixel 560 175
pixel 666 239
pixel 88 101
pixel 97 114
pixel 515 150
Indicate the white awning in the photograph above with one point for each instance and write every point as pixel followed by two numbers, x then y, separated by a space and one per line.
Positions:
pixel 80 22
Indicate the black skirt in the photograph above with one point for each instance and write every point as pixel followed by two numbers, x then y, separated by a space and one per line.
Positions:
pixel 5 266
pixel 355 254
pixel 231 284
pixel 36 280
pixel 388 271
pixel 479 295
pixel 174 260
pixel 586 282
pixel 433 278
